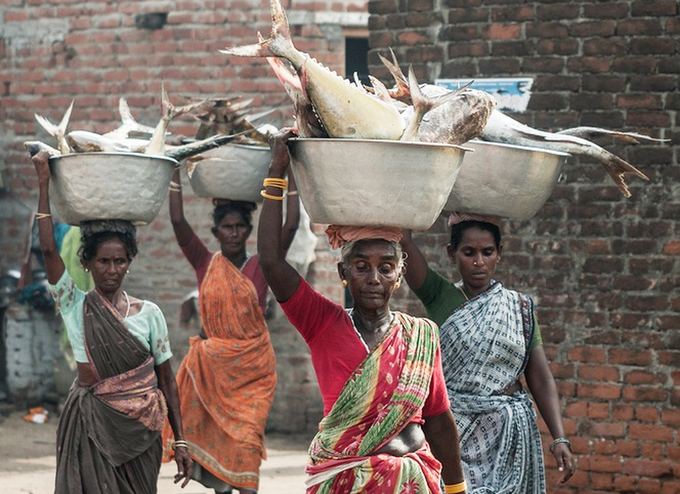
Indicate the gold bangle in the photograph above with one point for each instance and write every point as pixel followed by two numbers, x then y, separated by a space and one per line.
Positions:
pixel 281 183
pixel 174 189
pixel 174 184
pixel 42 216
pixel 455 488
pixel 292 192
pixel 264 194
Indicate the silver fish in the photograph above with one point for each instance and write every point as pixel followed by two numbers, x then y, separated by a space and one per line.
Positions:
pixel 501 128
pixel 83 141
pixel 57 131
pixel 596 132
pixel 342 108
pixel 187 150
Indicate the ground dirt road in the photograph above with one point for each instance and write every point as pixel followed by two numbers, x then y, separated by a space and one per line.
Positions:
pixel 28 462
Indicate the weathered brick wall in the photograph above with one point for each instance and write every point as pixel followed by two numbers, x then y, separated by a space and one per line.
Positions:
pixel 605 271
pixel 54 50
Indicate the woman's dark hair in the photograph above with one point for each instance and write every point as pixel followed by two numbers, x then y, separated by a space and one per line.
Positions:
pixel 243 208
pixel 94 233
pixel 458 229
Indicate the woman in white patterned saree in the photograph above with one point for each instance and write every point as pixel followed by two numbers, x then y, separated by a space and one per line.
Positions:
pixel 489 338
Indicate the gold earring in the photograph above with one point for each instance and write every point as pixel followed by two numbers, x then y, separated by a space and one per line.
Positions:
pixel 398 284
pixel 344 283
pixel 86 270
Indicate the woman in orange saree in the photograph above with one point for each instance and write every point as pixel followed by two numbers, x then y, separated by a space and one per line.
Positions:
pixel 227 380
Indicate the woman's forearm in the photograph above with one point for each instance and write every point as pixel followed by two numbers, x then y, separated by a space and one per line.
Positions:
pixel 290 226
pixel 442 435
pixel 416 265
pixel 181 227
pixel 54 265
pixel 544 390
pixel 168 386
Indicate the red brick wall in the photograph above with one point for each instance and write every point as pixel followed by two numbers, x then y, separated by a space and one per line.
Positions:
pixel 605 271
pixel 54 50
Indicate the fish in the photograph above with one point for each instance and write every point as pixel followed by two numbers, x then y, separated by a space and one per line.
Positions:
pixel 128 123
pixel 453 117
pixel 169 111
pixel 83 141
pixel 502 128
pixel 499 127
pixel 57 131
pixel 307 124
pixel 342 108
pixel 195 148
pixel 596 132
pixel 34 147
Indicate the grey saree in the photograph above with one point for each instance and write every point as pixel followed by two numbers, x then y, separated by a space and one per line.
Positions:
pixel 108 438
pixel 485 348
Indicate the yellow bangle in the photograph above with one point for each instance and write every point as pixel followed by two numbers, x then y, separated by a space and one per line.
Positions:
pixel 281 183
pixel 292 192
pixel 455 488
pixel 264 194
pixel 42 216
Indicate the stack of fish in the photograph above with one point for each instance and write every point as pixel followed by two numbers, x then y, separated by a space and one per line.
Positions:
pixel 329 106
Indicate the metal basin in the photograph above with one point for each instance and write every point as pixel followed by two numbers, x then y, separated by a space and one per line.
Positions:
pixel 100 186
pixel 234 171
pixel 373 182
pixel 505 180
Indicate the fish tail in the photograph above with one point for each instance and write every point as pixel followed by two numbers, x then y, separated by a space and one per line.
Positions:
pixel 618 168
pixel 65 119
pixel 49 127
pixel 279 43
pixel 595 132
pixel 170 111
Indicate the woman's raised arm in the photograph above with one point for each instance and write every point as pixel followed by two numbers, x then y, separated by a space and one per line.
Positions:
pixel 416 265
pixel 53 262
pixel 180 225
pixel 281 276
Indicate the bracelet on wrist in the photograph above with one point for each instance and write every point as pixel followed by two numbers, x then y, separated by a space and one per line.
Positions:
pixel 559 440
pixel 455 488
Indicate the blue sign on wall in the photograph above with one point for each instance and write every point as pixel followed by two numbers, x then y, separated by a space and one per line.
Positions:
pixel 511 94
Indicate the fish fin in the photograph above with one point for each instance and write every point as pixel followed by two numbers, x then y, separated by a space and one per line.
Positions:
pixel 401 87
pixel 595 132
pixel 65 119
pixel 277 44
pixel 421 105
pixel 379 89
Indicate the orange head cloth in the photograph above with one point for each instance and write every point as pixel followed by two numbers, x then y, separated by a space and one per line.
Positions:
pixel 340 235
pixel 455 218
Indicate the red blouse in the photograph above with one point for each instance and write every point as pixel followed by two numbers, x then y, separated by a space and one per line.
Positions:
pixel 337 348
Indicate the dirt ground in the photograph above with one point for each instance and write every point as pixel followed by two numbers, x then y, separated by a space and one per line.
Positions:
pixel 28 454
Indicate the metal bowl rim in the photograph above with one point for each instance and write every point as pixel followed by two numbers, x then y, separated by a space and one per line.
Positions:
pixel 518 147
pixel 382 141
pixel 117 154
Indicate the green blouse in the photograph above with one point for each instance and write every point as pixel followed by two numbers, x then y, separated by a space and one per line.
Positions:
pixel 441 298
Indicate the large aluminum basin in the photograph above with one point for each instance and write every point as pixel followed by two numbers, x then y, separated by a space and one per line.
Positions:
pixel 373 182
pixel 108 186
pixel 233 171
pixel 505 180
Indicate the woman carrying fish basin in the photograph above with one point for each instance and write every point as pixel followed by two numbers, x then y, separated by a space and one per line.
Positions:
pixel 109 433
pixel 490 338
pixel 387 426
pixel 227 379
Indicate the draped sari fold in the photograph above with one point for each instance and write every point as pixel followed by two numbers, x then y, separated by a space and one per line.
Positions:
pixel 485 349
pixel 108 439
pixel 227 381
pixel 377 402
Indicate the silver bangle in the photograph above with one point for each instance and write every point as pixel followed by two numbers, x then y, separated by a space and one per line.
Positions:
pixel 560 440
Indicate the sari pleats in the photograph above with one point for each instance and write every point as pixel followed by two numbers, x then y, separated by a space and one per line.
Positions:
pixel 108 438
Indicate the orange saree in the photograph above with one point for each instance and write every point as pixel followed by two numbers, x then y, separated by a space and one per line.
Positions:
pixel 226 382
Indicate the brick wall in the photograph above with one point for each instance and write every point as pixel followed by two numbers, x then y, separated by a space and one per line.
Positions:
pixel 54 50
pixel 605 271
